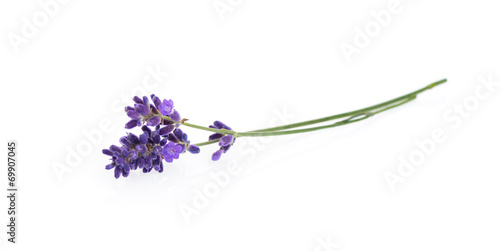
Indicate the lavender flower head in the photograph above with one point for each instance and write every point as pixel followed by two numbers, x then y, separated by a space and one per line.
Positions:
pixel 148 150
pixel 225 140
pixel 151 114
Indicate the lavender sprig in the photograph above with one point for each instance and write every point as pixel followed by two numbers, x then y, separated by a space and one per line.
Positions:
pixel 162 140
pixel 225 140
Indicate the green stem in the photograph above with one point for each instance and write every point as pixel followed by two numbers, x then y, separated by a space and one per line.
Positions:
pixel 207 142
pixel 354 116
pixel 343 115
pixel 223 131
pixel 352 119
pixel 398 104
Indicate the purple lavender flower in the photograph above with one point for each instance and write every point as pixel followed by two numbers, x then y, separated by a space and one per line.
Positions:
pixel 153 121
pixel 151 114
pixel 217 154
pixel 133 123
pixel 225 140
pixel 137 152
pixel 166 107
pixel 175 116
pixel 120 157
pixel 133 114
pixel 166 130
pixel 181 138
pixel 171 151
pixel 193 149
pixel 147 150
pixel 142 109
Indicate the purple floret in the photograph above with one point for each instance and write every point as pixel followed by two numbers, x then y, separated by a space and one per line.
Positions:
pixel 166 107
pixel 171 151
pixel 225 140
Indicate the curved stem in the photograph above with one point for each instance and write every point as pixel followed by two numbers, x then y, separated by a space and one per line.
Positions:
pixel 349 120
pixel 223 131
pixel 343 115
pixel 410 98
pixel 207 142
pixel 354 116
pixel 352 119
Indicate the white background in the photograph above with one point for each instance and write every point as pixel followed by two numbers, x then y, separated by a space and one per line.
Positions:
pixel 325 190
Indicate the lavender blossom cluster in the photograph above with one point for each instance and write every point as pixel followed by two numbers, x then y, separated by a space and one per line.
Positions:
pixel 160 139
